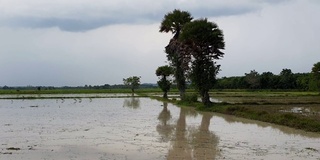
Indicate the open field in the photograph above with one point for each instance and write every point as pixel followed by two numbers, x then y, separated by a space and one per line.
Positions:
pixel 299 110
pixel 75 91
pixel 120 126
pixel 296 109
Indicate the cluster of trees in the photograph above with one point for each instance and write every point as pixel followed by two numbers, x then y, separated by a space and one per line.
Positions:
pixel 267 80
pixel 191 52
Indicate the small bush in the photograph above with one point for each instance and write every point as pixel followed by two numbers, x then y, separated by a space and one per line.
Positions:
pixel 190 98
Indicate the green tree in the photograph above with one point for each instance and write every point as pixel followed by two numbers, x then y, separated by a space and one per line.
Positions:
pixel 266 80
pixel 303 80
pixel 316 74
pixel 253 79
pixel 287 79
pixel 204 41
pixel 164 83
pixel 174 22
pixel 133 82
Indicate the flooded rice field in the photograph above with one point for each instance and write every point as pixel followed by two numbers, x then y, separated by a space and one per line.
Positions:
pixel 139 128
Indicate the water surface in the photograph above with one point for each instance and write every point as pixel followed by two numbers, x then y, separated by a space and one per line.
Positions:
pixel 140 128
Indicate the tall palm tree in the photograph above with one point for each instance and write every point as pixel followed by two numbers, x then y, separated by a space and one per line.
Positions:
pixel 174 22
pixel 205 42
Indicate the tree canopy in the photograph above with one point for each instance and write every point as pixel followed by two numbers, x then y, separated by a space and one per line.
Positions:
pixel 164 83
pixel 174 22
pixel 133 82
pixel 192 51
pixel 204 41
pixel 316 74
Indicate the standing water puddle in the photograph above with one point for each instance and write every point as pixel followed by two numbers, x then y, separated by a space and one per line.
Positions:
pixel 140 128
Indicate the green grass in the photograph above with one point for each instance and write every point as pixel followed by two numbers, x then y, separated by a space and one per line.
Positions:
pixel 282 118
pixel 272 107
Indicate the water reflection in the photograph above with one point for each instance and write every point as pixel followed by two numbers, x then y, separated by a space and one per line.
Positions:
pixel 132 102
pixel 205 142
pixel 164 128
pixel 284 129
pixel 187 142
pixel 180 147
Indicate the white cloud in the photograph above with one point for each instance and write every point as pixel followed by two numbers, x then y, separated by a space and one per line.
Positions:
pixel 83 15
pixel 105 55
pixel 278 37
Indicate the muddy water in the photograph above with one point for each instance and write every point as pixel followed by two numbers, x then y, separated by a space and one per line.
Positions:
pixel 140 128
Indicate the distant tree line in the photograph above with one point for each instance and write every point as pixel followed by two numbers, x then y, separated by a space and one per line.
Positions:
pixel 104 86
pixel 267 80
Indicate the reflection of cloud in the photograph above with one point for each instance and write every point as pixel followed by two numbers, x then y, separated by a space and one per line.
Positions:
pixel 133 103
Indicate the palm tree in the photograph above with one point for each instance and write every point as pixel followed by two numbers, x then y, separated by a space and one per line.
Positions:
pixel 204 40
pixel 174 22
pixel 164 72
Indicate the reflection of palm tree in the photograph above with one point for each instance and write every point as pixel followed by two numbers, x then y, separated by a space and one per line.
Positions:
pixel 195 143
pixel 164 128
pixel 180 148
pixel 133 103
pixel 205 142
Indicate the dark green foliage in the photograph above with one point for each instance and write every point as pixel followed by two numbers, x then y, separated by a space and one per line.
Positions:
pixel 192 51
pixel 204 41
pixel 316 75
pixel 164 83
pixel 253 79
pixel 267 80
pixel 174 22
pixel 191 98
pixel 133 82
pixel 286 80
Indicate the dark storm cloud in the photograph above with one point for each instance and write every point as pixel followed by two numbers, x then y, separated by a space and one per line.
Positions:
pixel 66 24
pixel 87 18
pixel 217 12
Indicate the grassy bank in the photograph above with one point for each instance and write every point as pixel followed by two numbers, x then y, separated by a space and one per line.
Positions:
pixel 261 113
pixel 300 110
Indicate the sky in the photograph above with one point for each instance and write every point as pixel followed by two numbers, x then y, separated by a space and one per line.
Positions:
pixel 96 42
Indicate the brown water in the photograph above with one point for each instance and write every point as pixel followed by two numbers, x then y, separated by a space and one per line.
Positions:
pixel 140 128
